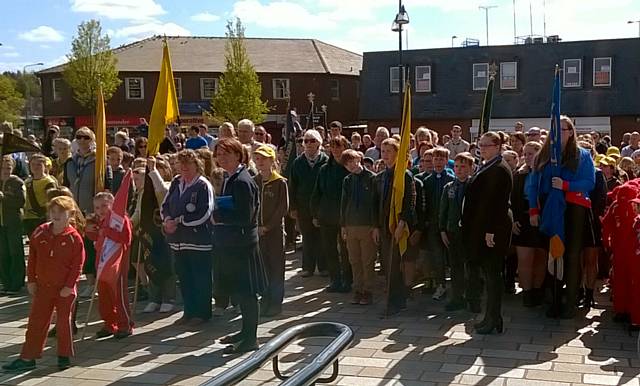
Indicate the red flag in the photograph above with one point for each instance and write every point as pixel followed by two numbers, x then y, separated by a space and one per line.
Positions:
pixel 109 251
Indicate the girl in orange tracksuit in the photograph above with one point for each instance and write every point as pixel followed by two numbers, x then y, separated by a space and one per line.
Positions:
pixel 56 255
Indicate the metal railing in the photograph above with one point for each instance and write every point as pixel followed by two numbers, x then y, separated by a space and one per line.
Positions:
pixel 308 375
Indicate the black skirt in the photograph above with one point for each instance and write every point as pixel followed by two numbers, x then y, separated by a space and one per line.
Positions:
pixel 238 270
pixel 530 237
pixel 592 231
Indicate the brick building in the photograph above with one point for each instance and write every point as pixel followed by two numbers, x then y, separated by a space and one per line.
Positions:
pixel 600 85
pixel 286 68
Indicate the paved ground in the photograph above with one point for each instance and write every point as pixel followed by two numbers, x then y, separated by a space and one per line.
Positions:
pixel 423 346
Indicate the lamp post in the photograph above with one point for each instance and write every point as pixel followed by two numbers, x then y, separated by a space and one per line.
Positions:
pixel 634 22
pixel 27 91
pixel 486 9
pixel 454 37
pixel 402 18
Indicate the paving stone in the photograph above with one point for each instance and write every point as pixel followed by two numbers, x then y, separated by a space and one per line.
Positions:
pixel 557 376
pixel 599 379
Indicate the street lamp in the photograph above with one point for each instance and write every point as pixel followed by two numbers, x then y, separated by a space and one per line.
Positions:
pixel 486 9
pixel 27 91
pixel 454 37
pixel 633 22
pixel 402 18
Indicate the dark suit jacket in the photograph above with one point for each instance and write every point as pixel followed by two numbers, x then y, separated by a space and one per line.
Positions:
pixel 486 207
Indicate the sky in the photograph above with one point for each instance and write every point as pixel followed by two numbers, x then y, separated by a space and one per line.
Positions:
pixel 40 31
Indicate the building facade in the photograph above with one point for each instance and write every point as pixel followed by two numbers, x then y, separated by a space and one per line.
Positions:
pixel 287 68
pixel 600 85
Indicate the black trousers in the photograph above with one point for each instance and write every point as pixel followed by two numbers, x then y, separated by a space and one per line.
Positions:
pixel 575 217
pixel 397 290
pixel 272 250
pixel 194 272
pixel 12 265
pixel 250 309
pixel 290 230
pixel 312 252
pixel 457 261
pixel 486 262
pixel 335 253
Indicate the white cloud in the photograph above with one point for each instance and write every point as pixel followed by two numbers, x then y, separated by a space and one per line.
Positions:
pixel 11 54
pixel 42 34
pixel 279 14
pixel 141 31
pixel 205 17
pixel 120 9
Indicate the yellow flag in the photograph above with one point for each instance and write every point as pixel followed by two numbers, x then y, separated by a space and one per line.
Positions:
pixel 165 104
pixel 397 194
pixel 101 143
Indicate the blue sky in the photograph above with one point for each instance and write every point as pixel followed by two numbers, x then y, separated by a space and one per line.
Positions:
pixel 41 30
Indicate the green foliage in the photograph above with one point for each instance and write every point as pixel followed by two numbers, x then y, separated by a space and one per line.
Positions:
pixel 91 64
pixel 26 82
pixel 11 101
pixel 239 90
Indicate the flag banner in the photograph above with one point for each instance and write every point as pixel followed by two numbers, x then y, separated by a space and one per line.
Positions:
pixel 485 118
pixel 552 216
pixel 101 143
pixel 290 153
pixel 398 173
pixel 109 251
pixel 157 261
pixel 165 104
pixel 15 144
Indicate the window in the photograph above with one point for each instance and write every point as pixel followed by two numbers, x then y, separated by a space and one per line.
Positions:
pixel 56 87
pixel 601 72
pixel 335 89
pixel 208 88
pixel 572 70
pixel 394 79
pixel 280 88
pixel 480 76
pixel 423 78
pixel 509 75
pixel 178 83
pixel 134 88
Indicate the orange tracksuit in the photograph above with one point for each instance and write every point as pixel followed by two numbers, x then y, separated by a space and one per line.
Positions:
pixel 55 261
pixel 113 304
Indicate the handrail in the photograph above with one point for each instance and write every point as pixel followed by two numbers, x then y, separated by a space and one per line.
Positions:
pixel 342 334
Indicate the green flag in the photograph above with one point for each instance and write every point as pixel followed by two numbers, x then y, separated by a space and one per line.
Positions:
pixel 14 144
pixel 485 119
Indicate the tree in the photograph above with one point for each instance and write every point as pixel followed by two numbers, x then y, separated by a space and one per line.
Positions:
pixel 91 64
pixel 28 83
pixel 11 101
pixel 239 89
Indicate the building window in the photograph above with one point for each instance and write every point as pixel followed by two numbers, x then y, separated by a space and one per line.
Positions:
pixel 480 76
pixel 601 72
pixel 423 78
pixel 134 88
pixel 572 70
pixel 178 83
pixel 56 87
pixel 509 75
pixel 394 79
pixel 280 88
pixel 208 88
pixel 335 89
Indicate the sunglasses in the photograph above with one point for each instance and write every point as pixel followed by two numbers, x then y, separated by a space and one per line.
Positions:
pixel 85 137
pixel 309 140
pixel 142 146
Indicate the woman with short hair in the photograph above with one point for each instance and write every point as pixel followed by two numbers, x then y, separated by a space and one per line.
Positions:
pixel 486 224
pixel 140 147
pixel 238 268
pixel 186 214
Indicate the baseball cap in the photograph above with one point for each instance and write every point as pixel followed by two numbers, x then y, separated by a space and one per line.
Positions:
pixel 265 151
pixel 613 150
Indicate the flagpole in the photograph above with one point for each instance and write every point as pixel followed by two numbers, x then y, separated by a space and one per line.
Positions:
pixel 137 280
pixel 86 322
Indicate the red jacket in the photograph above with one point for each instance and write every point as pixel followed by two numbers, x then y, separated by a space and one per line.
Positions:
pixel 55 260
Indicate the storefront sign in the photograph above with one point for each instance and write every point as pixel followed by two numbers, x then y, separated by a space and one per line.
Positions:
pixel 112 120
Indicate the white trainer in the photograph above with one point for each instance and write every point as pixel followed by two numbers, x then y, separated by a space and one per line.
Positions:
pixel 166 308
pixel 151 307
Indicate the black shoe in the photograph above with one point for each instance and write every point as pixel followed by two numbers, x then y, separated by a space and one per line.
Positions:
pixel 474 307
pixel 393 309
pixel 19 365
pixel 231 339
pixel 527 298
pixel 306 273
pixel 588 302
pixel 345 288
pixel 481 323
pixel 454 305
pixel 510 289
pixel 103 333
pixel 241 347
pixel 63 363
pixel 553 312
pixel 568 312
pixel 490 326
pixel 537 297
pixel 333 288
pixel 122 334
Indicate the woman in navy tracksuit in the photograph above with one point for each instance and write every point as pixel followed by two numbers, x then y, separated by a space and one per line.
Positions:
pixel 577 179
pixel 186 214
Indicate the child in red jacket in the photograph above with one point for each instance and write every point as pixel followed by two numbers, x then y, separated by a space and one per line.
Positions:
pixel 56 255
pixel 112 251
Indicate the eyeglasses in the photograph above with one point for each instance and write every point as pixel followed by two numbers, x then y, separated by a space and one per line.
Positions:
pixel 310 140
pixel 85 137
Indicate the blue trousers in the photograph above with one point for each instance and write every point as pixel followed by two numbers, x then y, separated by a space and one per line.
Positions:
pixel 194 272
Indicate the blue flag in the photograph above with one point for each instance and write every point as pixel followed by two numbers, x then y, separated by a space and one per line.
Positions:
pixel 552 223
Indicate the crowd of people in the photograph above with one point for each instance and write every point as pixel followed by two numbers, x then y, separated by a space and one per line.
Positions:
pixel 224 210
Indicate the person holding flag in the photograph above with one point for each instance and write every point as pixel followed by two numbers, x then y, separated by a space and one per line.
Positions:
pixel 112 234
